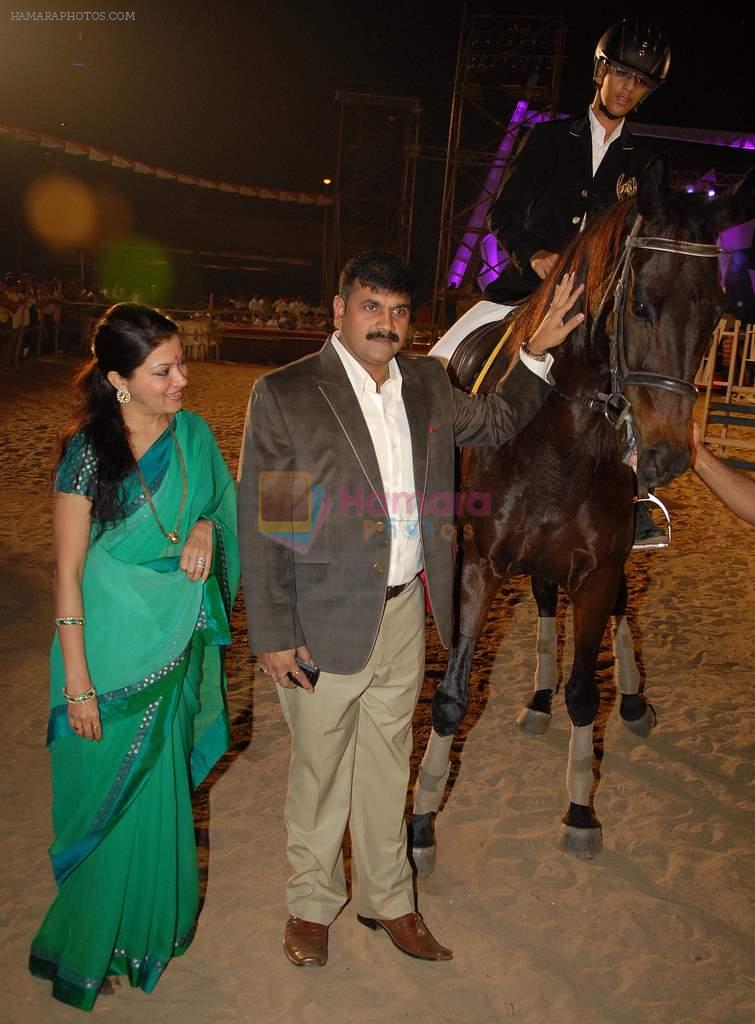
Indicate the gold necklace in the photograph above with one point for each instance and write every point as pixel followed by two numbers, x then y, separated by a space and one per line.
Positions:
pixel 173 535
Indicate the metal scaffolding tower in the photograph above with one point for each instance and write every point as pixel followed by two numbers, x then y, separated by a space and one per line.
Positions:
pixel 378 140
pixel 508 72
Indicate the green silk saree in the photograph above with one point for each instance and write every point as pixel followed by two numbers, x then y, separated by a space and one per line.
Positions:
pixel 124 854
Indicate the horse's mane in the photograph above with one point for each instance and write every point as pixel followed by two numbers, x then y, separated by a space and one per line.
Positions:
pixel 592 255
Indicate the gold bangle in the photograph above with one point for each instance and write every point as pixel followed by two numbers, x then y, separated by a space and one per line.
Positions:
pixel 80 698
pixel 70 620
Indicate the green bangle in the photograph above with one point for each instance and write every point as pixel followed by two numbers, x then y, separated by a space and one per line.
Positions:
pixel 69 620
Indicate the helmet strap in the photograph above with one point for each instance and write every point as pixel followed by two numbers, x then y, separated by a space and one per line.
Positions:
pixel 612 117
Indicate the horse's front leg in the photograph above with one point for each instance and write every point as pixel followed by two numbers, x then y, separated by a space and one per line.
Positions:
pixel 535 717
pixel 637 713
pixel 592 601
pixel 478 588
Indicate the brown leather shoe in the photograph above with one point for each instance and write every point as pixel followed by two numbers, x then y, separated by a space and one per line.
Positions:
pixel 410 934
pixel 305 943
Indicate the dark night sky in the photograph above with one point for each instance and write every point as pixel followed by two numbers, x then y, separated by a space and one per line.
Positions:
pixel 244 91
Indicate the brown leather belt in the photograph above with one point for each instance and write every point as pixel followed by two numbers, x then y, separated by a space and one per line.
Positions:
pixel 392 592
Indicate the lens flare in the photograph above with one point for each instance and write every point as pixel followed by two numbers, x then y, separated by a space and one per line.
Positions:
pixel 61 212
pixel 136 269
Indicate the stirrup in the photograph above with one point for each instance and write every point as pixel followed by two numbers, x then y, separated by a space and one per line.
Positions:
pixel 661 541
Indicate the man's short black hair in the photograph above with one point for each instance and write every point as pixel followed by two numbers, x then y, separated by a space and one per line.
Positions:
pixel 379 269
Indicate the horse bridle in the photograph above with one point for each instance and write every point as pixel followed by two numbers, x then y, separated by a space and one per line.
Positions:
pixel 615 406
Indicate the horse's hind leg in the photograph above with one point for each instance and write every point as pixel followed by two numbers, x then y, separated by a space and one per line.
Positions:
pixel 478 588
pixel 592 601
pixel 637 714
pixel 535 717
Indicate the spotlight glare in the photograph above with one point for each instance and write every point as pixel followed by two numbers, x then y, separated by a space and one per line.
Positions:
pixel 61 211
pixel 711 193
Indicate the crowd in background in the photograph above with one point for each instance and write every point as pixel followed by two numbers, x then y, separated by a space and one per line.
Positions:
pixel 283 313
pixel 25 298
pixel 30 311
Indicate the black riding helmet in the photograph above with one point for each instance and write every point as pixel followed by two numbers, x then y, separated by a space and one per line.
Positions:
pixel 637 46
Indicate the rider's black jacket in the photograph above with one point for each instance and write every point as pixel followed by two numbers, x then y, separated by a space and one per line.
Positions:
pixel 549 189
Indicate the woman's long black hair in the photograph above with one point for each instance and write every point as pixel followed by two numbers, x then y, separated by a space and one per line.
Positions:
pixel 121 340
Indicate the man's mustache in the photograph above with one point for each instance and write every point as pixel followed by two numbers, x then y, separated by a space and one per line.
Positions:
pixel 385 335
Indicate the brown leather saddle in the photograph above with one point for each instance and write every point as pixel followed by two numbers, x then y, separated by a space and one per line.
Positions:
pixel 475 364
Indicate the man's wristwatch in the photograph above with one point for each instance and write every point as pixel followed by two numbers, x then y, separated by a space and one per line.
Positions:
pixel 540 356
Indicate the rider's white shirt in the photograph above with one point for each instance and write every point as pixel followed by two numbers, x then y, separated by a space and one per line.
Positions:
pixel 599 144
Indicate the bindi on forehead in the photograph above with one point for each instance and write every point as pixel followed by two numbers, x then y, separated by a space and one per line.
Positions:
pixel 169 362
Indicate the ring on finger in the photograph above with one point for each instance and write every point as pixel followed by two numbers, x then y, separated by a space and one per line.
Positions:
pixel 201 561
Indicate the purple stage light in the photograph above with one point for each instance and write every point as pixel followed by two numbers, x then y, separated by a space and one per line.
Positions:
pixel 480 211
pixel 698 136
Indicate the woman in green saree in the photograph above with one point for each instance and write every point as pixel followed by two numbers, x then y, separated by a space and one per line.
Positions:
pixel 147 569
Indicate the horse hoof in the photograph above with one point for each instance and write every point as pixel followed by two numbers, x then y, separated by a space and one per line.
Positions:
pixel 534 723
pixel 424 860
pixel 642 726
pixel 585 843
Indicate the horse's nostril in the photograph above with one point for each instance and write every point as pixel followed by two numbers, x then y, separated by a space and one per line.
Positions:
pixel 659 464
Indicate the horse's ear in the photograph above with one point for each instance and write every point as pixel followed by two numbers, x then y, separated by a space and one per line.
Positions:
pixel 655 185
pixel 737 204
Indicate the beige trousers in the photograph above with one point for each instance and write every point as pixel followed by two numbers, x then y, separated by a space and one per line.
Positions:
pixel 351 741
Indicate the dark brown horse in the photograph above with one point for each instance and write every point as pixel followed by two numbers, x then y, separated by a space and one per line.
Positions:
pixel 562 492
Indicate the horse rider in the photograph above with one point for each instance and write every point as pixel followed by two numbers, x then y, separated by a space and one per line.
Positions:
pixel 565 172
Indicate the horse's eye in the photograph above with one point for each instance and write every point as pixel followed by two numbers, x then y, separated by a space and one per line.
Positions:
pixel 640 310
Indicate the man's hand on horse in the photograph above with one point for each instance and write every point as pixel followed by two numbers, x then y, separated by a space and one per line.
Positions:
pixel 543 262
pixel 554 326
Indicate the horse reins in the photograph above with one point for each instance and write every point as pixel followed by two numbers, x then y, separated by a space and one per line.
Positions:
pixel 615 406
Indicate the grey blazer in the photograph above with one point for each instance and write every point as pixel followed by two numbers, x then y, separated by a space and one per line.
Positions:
pixel 313 524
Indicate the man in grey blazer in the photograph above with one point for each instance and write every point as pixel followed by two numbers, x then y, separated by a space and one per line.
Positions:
pixel 346 520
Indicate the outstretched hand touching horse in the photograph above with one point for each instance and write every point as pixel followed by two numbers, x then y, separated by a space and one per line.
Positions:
pixel 554 327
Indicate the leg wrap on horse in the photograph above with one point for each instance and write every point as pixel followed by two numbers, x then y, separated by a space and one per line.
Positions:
pixel 579 769
pixel 637 713
pixel 626 671
pixel 433 774
pixel 546 672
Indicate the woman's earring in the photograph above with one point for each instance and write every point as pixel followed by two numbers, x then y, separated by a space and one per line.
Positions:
pixel 123 394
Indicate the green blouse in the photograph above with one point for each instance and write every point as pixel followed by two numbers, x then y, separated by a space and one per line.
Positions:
pixel 77 470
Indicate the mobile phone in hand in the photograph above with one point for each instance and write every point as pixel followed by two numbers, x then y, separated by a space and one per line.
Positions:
pixel 310 670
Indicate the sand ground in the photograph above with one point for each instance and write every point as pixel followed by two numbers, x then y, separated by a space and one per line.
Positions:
pixel 658 929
